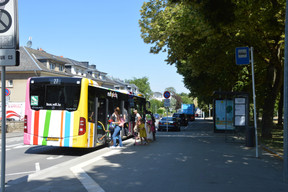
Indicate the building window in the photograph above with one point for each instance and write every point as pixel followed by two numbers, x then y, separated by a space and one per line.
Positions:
pixel 61 68
pixel 52 66
pixel 9 83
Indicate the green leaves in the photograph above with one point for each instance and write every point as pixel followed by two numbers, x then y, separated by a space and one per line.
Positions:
pixel 143 85
pixel 200 38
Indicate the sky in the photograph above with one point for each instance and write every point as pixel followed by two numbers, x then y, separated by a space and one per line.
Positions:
pixel 105 33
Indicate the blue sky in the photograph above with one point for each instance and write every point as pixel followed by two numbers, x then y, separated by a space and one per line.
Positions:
pixel 105 33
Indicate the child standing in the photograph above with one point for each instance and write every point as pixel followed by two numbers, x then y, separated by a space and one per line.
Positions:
pixel 142 132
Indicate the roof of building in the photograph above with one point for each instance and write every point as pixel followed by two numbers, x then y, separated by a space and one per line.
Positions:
pixel 35 60
pixel 30 60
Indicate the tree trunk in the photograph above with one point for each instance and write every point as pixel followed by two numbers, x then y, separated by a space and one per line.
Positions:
pixel 267 117
pixel 280 107
pixel 274 82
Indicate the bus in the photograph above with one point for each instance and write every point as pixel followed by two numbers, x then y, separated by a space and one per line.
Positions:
pixel 73 111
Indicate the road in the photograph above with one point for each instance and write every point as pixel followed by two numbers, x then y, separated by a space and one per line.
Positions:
pixel 22 160
pixel 195 159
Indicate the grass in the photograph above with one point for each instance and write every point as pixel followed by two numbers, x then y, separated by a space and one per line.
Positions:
pixel 276 142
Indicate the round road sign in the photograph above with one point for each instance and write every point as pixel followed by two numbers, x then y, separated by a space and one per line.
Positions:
pixel 7 92
pixel 3 2
pixel 167 94
pixel 5 21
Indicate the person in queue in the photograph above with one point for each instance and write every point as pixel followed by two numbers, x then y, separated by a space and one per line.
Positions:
pixel 151 124
pixel 137 121
pixel 142 132
pixel 153 127
pixel 126 124
pixel 118 123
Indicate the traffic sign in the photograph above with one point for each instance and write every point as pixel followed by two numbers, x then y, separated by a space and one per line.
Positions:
pixel 242 56
pixel 9 36
pixel 166 102
pixel 5 21
pixel 4 2
pixel 7 92
pixel 166 94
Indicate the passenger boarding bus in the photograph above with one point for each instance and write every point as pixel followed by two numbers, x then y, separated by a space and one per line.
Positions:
pixel 60 111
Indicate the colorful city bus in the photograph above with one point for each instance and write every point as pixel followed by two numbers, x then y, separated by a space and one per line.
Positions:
pixel 73 112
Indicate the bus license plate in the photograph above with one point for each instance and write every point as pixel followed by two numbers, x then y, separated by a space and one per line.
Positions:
pixel 52 139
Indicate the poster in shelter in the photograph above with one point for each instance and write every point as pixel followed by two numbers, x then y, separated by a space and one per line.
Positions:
pixel 224 115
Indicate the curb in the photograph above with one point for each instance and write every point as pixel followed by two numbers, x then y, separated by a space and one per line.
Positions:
pixel 274 153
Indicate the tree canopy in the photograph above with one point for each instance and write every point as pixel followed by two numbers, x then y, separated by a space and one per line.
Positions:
pixel 143 85
pixel 200 38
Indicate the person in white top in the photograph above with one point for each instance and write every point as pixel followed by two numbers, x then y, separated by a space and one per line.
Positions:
pixel 137 121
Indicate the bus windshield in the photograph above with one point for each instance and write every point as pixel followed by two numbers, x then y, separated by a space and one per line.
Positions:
pixel 54 96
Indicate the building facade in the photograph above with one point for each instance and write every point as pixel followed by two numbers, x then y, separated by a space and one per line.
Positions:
pixel 39 63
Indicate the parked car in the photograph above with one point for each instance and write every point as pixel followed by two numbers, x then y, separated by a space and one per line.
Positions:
pixel 191 117
pixel 181 118
pixel 173 124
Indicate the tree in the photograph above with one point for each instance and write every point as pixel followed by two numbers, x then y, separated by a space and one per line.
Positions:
pixel 155 105
pixel 175 98
pixel 143 85
pixel 200 39
pixel 190 42
pixel 185 98
pixel 161 111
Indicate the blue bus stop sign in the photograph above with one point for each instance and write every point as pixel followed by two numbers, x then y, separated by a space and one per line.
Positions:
pixel 242 56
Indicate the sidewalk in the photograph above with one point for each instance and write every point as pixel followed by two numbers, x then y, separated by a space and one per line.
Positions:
pixel 210 165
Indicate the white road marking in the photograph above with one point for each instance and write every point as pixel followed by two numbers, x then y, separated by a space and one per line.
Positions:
pixel 15 145
pixel 37 166
pixel 22 146
pixel 21 173
pixel 52 158
pixel 84 178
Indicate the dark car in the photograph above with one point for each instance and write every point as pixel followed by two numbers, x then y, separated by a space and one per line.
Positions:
pixel 181 118
pixel 191 117
pixel 173 124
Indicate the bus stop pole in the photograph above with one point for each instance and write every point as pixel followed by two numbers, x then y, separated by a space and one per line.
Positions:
pixel 3 129
pixel 254 101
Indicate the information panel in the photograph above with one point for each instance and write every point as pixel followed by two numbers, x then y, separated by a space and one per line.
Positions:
pixel 240 112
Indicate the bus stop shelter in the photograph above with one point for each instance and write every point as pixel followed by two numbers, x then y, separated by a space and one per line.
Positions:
pixel 231 116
